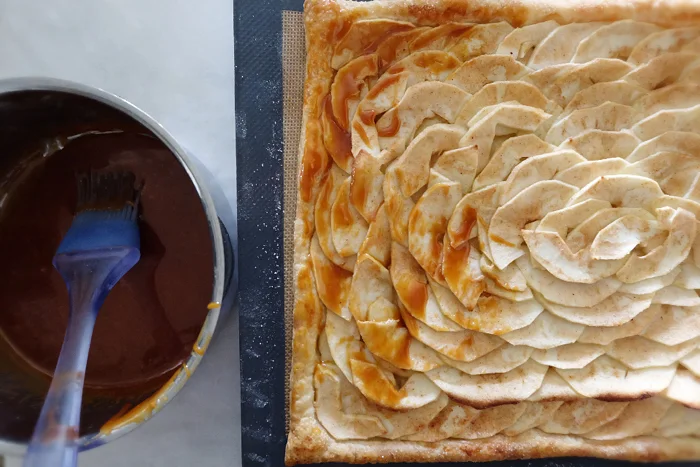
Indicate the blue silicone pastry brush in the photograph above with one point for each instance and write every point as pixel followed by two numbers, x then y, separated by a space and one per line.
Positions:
pixel 101 245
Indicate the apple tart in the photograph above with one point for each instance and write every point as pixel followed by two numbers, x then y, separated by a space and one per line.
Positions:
pixel 496 245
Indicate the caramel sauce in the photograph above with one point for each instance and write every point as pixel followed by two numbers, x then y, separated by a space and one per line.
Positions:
pixel 377 243
pixel 359 129
pixel 341 215
pixel 357 351
pixel 435 231
pixel 323 206
pixel 338 30
pixel 389 49
pixel 376 385
pixel 336 140
pixel 307 317
pixel 395 69
pixel 360 185
pixel 449 31
pixel 372 47
pixel 437 64
pixel 320 374
pixel 458 31
pixel 141 412
pixel 454 269
pixel 453 262
pixel 465 345
pixel 393 205
pixel 437 236
pixel 461 234
pixel 113 422
pixel 489 308
pixel 199 349
pixel 150 320
pixel 313 165
pixel 500 240
pixel 349 86
pixel 394 348
pixel 382 85
pixel 402 357
pixel 392 128
pixel 495 278
pixel 348 340
pixel 436 247
pixel 333 285
pixel 414 295
pixel 367 116
pixel 408 320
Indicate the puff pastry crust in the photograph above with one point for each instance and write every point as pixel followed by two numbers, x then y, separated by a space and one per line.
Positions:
pixel 496 251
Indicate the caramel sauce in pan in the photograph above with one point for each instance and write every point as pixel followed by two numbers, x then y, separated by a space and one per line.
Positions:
pixel 152 317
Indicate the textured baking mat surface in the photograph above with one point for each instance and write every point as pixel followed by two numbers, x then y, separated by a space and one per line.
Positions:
pixel 259 148
pixel 269 97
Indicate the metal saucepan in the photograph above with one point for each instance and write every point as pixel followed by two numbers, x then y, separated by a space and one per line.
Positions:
pixel 30 110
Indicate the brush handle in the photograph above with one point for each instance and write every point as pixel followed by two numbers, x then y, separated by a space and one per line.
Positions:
pixel 55 439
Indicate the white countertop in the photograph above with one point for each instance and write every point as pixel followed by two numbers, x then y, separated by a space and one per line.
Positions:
pixel 173 59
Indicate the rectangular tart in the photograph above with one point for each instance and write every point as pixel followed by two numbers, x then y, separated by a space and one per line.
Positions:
pixel 495 247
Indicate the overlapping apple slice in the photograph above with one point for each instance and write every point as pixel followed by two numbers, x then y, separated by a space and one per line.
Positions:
pixel 533 203
pixel 670 141
pixel 521 42
pixel 490 389
pixel 616 40
pixel 564 86
pixel 686 120
pixel 608 116
pixel 476 73
pixel 420 102
pixel 498 120
pixel 505 91
pixel 662 42
pixel 662 70
pixel 600 144
pixel 560 45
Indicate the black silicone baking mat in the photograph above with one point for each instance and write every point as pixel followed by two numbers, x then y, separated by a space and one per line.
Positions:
pixel 258 51
pixel 259 146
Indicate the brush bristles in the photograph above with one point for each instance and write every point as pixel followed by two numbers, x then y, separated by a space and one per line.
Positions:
pixel 113 193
